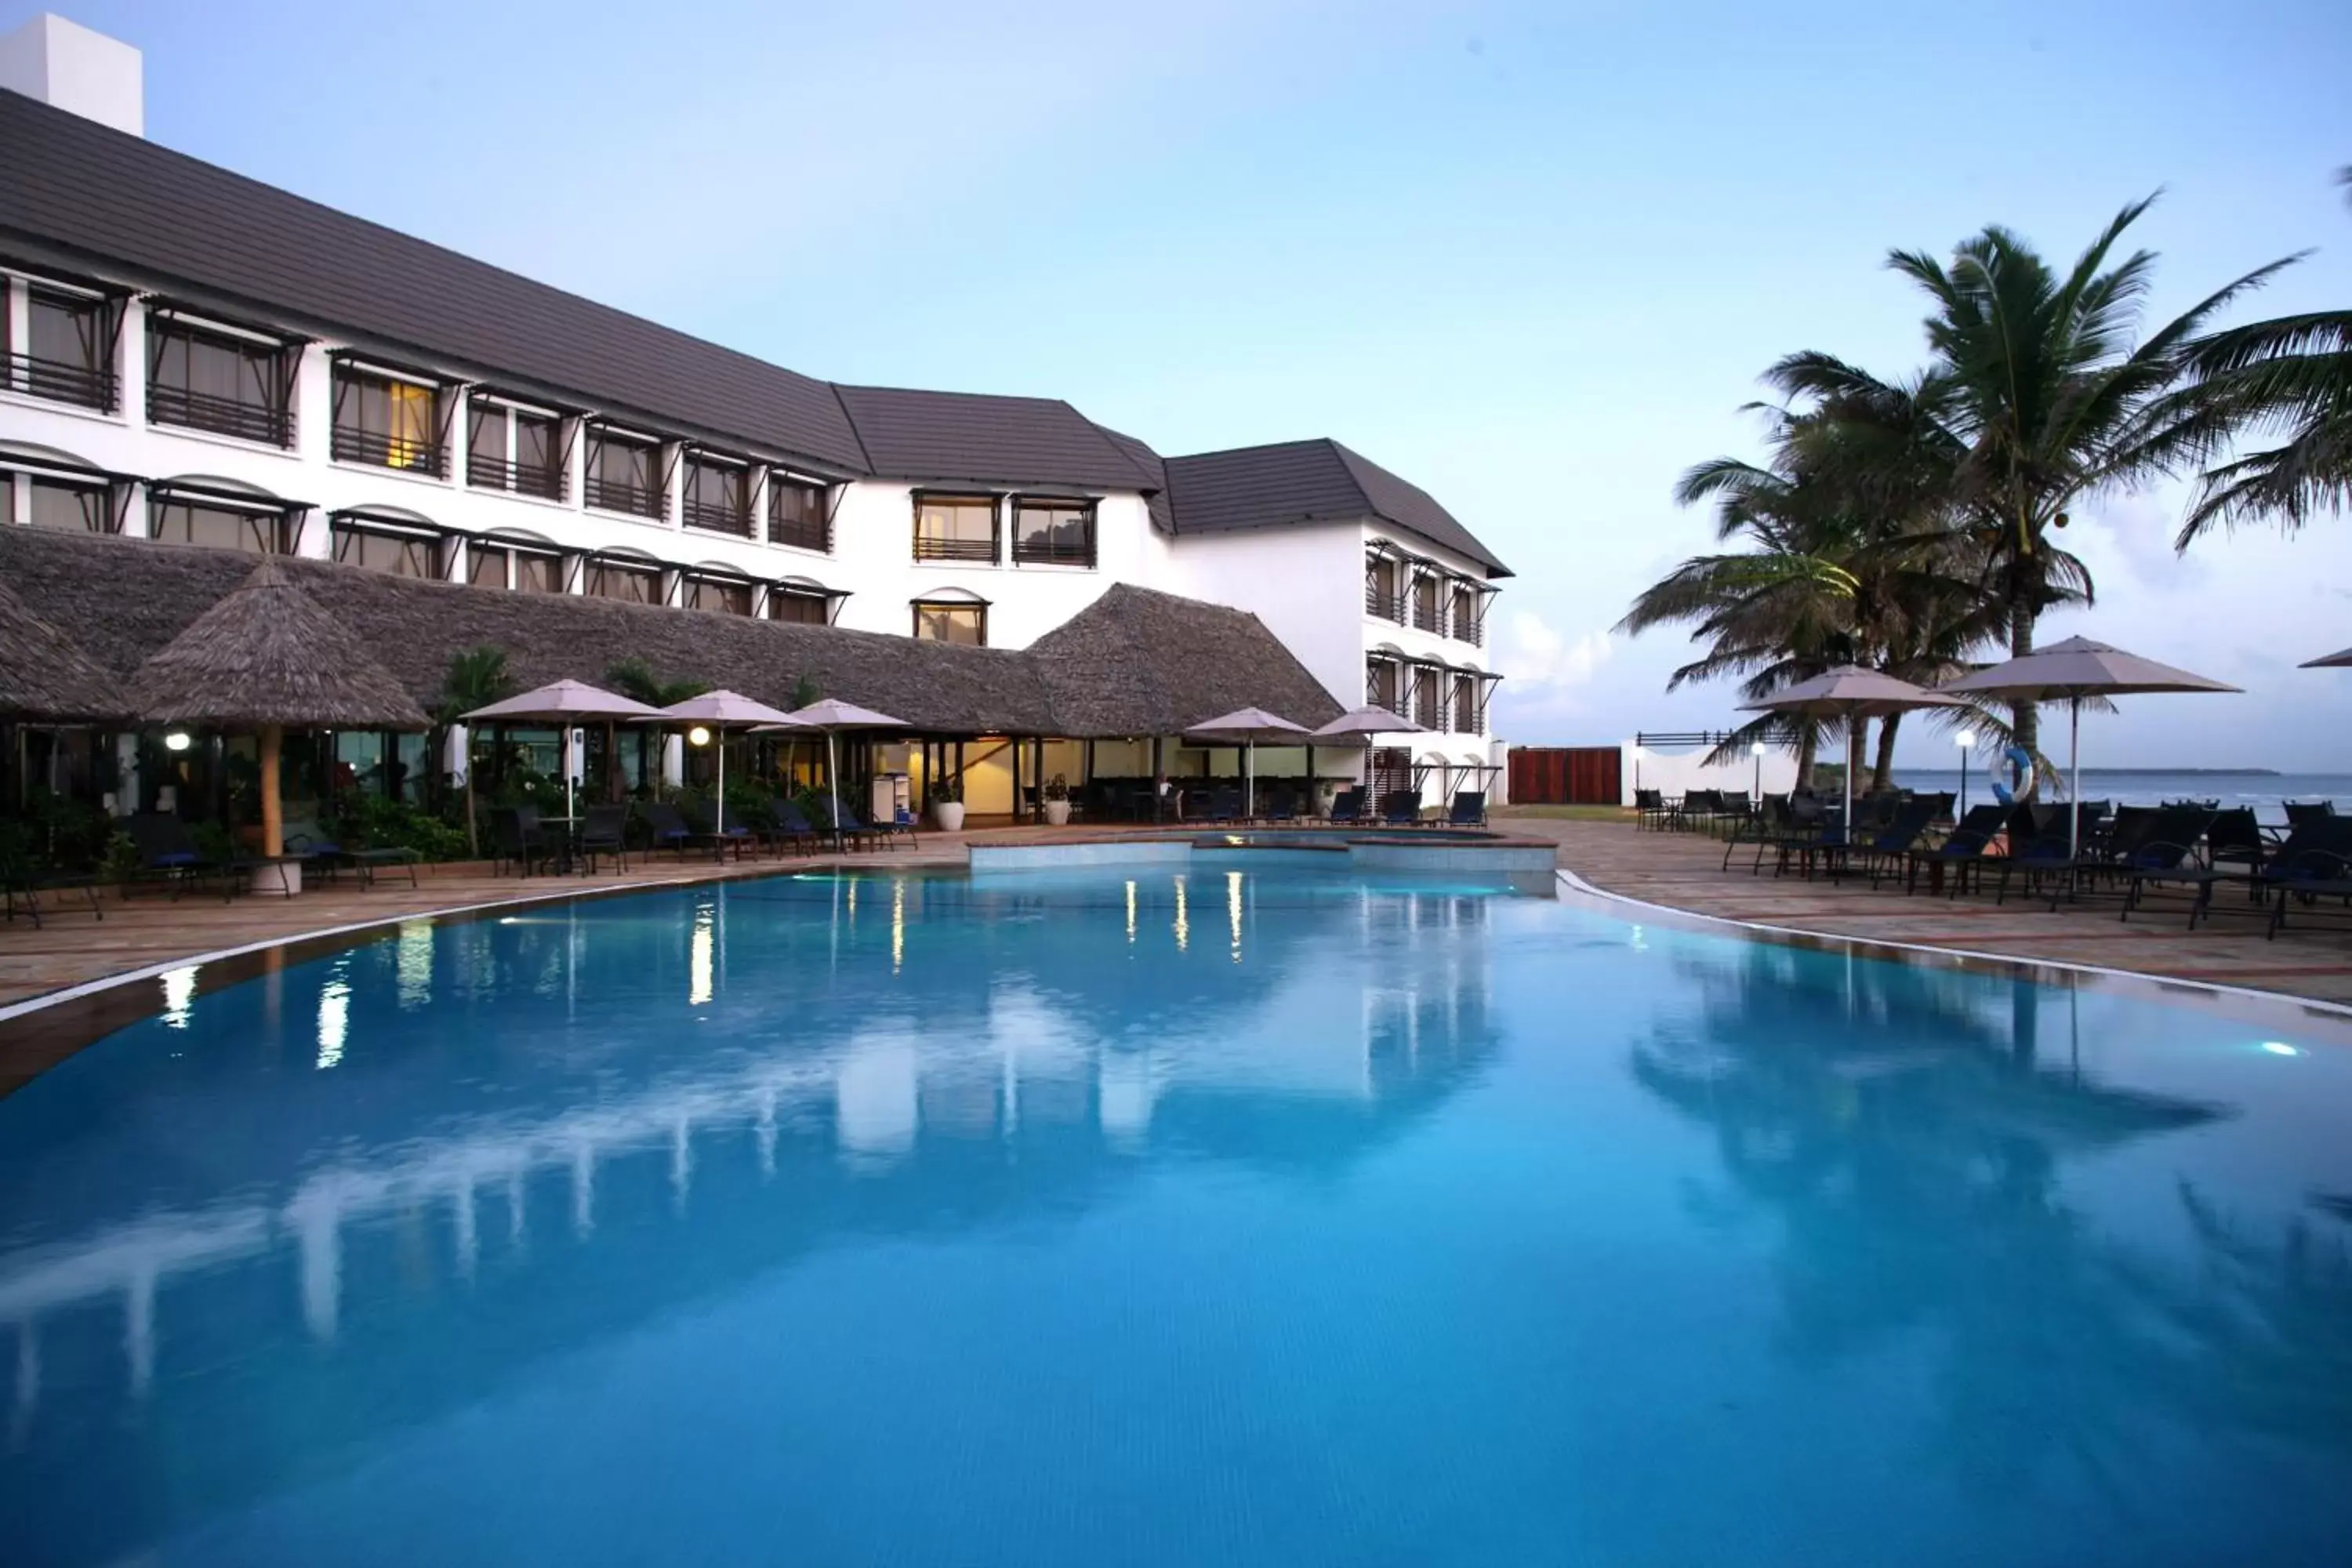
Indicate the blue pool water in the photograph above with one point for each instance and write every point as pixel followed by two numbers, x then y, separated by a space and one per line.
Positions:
pixel 1263 1217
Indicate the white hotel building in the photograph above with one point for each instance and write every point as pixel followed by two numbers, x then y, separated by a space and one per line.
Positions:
pixel 193 356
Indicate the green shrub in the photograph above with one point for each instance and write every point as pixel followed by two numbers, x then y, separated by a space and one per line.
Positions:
pixel 373 822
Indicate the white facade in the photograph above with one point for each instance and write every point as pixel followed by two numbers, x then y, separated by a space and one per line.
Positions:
pixel 73 68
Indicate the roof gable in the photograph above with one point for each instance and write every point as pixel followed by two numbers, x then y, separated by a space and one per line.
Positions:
pixel 916 434
pixel 1320 480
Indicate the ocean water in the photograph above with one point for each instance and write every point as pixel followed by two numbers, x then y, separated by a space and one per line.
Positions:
pixel 2262 792
pixel 1254 1216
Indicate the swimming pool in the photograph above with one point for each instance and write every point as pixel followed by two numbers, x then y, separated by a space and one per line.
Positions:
pixel 1251 1215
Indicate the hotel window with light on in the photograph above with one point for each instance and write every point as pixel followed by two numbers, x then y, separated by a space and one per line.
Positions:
pixel 388 422
pixel 951 620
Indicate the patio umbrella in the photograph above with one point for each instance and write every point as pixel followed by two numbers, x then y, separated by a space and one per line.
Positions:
pixel 2070 671
pixel 559 704
pixel 1247 727
pixel 264 658
pixel 722 712
pixel 45 678
pixel 833 716
pixel 1849 694
pixel 1363 723
pixel 2332 661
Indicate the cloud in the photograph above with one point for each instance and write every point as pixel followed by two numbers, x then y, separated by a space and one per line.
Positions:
pixel 1536 653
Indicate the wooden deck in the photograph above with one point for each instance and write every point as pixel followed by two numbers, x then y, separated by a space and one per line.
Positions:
pixel 1685 871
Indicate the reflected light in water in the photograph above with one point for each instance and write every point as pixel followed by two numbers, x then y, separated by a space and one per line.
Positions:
pixel 1130 912
pixel 897 924
pixel 2280 1048
pixel 1183 919
pixel 335 1015
pixel 412 961
pixel 1233 910
pixel 178 995
pixel 699 986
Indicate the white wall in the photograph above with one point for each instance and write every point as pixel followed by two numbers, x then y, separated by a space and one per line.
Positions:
pixel 68 67
pixel 1682 770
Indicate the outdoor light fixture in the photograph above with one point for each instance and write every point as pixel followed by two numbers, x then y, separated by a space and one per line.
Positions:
pixel 1968 740
pixel 699 736
pixel 177 741
pixel 1756 750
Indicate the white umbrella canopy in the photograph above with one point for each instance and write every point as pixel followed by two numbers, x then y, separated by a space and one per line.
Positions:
pixel 722 712
pixel 1364 723
pixel 1248 726
pixel 559 703
pixel 2331 661
pixel 2068 672
pixel 832 715
pixel 1851 693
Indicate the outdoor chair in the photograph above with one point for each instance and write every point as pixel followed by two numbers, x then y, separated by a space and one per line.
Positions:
pixel 667 827
pixel 836 818
pixel 1699 807
pixel 1770 816
pixel 1347 805
pixel 168 853
pixel 2300 813
pixel 516 840
pixel 878 832
pixel 738 836
pixel 307 843
pixel 20 884
pixel 1805 832
pixel 794 827
pixel 603 830
pixel 2234 851
pixel 1961 852
pixel 1888 851
pixel 1649 808
pixel 1469 809
pixel 1224 805
pixel 2170 838
pixel 1282 806
pixel 2320 870
pixel 1401 808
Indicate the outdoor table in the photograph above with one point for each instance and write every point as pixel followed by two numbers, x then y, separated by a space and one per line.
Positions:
pixel 566 829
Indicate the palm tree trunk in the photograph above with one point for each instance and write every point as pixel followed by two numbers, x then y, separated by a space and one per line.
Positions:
pixel 1881 772
pixel 473 832
pixel 1808 748
pixel 2024 723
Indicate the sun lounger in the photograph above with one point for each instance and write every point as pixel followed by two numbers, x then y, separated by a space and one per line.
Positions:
pixel 2234 852
pixel 1469 809
pixel 2303 879
pixel 22 887
pixel 1962 852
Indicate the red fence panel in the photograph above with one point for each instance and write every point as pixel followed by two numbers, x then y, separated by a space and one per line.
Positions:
pixel 1567 775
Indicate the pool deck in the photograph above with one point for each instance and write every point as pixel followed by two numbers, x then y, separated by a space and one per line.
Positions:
pixel 1685 871
pixel 1680 870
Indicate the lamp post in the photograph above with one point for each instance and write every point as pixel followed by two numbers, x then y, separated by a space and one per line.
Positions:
pixel 1756 750
pixel 1967 739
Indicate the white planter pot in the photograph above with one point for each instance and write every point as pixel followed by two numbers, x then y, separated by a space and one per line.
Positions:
pixel 949 814
pixel 1057 813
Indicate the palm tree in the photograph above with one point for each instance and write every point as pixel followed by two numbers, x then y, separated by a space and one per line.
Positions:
pixel 634 677
pixel 477 678
pixel 2040 392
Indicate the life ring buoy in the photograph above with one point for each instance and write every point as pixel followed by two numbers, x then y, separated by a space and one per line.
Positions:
pixel 2012 769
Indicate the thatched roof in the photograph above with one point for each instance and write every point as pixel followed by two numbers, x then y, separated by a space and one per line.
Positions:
pixel 267 654
pixel 43 677
pixel 1167 661
pixel 1137 662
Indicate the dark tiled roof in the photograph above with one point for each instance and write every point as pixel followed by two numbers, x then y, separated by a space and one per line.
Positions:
pixel 1137 662
pixel 1308 481
pixel 983 437
pixel 1163 516
pixel 180 223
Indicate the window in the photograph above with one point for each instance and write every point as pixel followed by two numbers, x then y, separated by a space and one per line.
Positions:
pixel 1381 683
pixel 71 509
pixel 68 353
pixel 388 422
pixel 956 527
pixel 625 474
pixel 1424 603
pixel 802 609
pixel 952 620
pixel 1380 596
pixel 1467 719
pixel 399 552
pixel 723 596
pixel 514 449
pixel 717 497
pixel 1469 614
pixel 798 514
pixel 629 585
pixel 1426 691
pixel 222 526
pixel 1053 532
pixel 215 381
pixel 492 565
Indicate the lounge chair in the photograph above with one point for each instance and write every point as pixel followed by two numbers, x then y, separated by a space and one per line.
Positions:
pixel 1401 808
pixel 1282 806
pixel 307 842
pixel 1888 851
pixel 1224 805
pixel 2322 870
pixel 667 827
pixel 516 840
pixel 2171 837
pixel 2234 851
pixel 603 830
pixel 878 832
pixel 1469 809
pixel 838 819
pixel 21 885
pixel 1962 851
pixel 168 853
pixel 1347 807
pixel 1650 808
pixel 794 827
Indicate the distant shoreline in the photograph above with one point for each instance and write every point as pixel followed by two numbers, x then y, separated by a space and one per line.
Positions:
pixel 2140 773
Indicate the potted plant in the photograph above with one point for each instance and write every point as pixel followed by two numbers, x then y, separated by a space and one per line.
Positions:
pixel 1057 800
pixel 947 803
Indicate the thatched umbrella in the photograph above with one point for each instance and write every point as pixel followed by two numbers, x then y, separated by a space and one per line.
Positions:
pixel 264 658
pixel 45 678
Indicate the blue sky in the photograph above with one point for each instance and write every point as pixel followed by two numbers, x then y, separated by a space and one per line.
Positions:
pixel 1530 257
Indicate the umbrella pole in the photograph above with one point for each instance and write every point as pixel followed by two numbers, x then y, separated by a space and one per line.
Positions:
pixel 719 806
pixel 273 821
pixel 570 810
pixel 1249 779
pixel 2074 796
pixel 833 787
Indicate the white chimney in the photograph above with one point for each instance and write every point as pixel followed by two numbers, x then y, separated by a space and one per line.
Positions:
pixel 68 67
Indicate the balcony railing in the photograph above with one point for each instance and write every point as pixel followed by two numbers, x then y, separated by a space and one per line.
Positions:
pixel 933 549
pixel 1471 629
pixel 1051 552
pixel 801 533
pixel 220 416
pixel 622 495
pixel 1426 615
pixel 1385 603
pixel 488 473
pixel 61 383
pixel 379 450
pixel 1429 711
pixel 718 517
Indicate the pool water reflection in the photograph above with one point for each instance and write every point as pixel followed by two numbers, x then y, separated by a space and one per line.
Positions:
pixel 1253 1215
